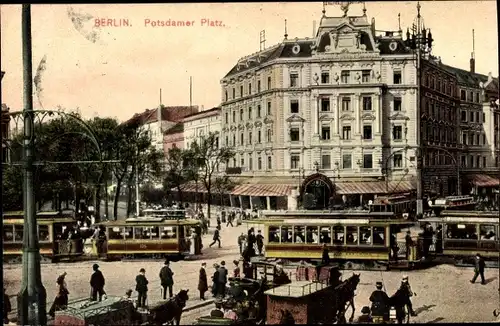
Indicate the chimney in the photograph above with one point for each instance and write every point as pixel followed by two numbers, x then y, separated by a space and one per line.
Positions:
pixel 373 26
pixel 472 65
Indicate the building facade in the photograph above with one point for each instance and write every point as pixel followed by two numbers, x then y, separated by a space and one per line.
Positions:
pixel 173 137
pixel 5 130
pixel 201 124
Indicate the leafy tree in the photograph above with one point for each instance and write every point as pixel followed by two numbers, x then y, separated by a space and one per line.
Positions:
pixel 210 157
pixel 175 175
pixel 223 184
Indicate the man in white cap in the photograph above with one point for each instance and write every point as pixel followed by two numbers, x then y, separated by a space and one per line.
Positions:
pixel 405 285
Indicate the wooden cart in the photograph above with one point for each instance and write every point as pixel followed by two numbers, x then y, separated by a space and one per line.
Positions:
pixel 111 311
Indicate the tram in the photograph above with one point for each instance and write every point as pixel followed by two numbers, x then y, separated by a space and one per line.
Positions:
pixel 52 232
pixel 351 240
pixel 466 233
pixel 402 206
pixel 156 237
pixel 452 203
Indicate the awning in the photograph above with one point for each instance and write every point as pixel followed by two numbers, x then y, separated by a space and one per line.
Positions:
pixel 483 180
pixel 271 190
pixel 374 187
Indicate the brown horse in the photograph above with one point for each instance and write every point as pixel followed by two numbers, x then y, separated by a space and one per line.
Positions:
pixel 344 298
pixel 169 311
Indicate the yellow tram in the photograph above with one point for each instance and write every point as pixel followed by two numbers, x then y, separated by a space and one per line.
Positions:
pixel 156 237
pixel 465 233
pixel 51 230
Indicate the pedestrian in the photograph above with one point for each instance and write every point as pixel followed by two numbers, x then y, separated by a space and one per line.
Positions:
pixel 325 258
pixel 61 300
pixel 142 288
pixel 260 241
pixel 230 219
pixel 394 247
pixel 202 281
pixel 408 244
pixel 97 283
pixel 167 280
pixel 405 285
pixel 222 280
pixel 217 312
pixel 236 271
pixel 479 269
pixel 215 283
pixel 218 222
pixel 216 237
pixel 241 240
pixel 439 239
pixel 7 308
pixel 365 317
pixel 380 302
pixel 247 269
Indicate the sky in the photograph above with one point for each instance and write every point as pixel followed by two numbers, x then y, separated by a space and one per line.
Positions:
pixel 117 71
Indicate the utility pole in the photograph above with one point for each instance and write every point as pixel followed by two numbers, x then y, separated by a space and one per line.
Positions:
pixel 32 298
pixel 137 195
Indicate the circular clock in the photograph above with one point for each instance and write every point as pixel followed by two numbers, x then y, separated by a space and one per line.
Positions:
pixel 296 49
pixel 393 46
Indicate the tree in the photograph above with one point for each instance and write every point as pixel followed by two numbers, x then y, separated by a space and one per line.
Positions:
pixel 210 157
pixel 175 174
pixel 223 184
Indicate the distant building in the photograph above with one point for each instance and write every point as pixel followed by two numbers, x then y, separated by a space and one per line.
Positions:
pixel 201 124
pixel 173 137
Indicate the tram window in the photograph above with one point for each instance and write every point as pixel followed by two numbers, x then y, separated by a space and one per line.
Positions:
pixel 487 232
pixel 188 231
pixel 273 235
pixel 43 233
pixel 461 231
pixel 286 234
pixel 8 233
pixel 378 235
pixel 115 233
pixel 58 231
pixel 365 233
pixel 338 234
pixel 326 235
pixel 352 235
pixel 154 232
pixel 299 234
pixel 138 232
pixel 18 233
pixel 146 232
pixel 129 233
pixel 312 234
pixel 169 232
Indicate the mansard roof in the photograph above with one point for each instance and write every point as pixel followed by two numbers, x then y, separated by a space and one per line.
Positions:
pixel 470 79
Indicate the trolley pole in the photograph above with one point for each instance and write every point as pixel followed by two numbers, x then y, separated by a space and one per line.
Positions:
pixel 32 297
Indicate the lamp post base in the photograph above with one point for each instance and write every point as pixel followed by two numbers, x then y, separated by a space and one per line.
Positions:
pixel 32 299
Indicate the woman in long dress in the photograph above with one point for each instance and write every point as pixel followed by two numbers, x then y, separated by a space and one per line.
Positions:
pixel 61 300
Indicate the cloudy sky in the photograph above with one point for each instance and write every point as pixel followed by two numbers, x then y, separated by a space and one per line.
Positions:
pixel 118 71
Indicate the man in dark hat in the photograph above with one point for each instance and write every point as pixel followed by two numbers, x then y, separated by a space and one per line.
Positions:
pixel 479 265
pixel 142 288
pixel 202 281
pixel 365 317
pixel 260 241
pixel 380 302
pixel 167 280
pixel 222 280
pixel 216 237
pixel 97 283
pixel 406 287
pixel 217 312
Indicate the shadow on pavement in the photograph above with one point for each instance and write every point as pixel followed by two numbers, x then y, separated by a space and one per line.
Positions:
pixel 489 280
pixel 434 321
pixel 424 308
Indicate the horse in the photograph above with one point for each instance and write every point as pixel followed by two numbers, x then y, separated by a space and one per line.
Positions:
pixel 169 311
pixel 399 301
pixel 344 298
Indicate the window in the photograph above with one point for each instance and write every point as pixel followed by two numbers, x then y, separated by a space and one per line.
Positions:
pixel 259 137
pixel 325 132
pixel 250 162
pixel 325 104
pixel 227 141
pixel 397 103
pixel 344 77
pixel 365 76
pixel 365 235
pixel 378 235
pixel 234 116
pixel 259 163
pixel 299 234
pixel 249 88
pixel 269 162
pixel 325 162
pixel 250 138
pixel 234 140
pixel 268 83
pixel 325 78
pixel 471 97
pixel 367 132
pixel 294 162
pixel 338 234
pixel 346 104
pixel 241 114
pixel 226 96
pixel 484 116
pixel 487 232
pixel 325 234
pixel 397 132
pixel 227 117
pixel 242 162
pixel 168 232
pixel 347 161
pixel 471 116
pixel 269 135
pixel 477 117
pixel 241 91
pixel 129 234
pixel 367 103
pixel 294 79
pixel 43 233
pixel 464 138
pixel 351 235
pixel 286 234
pixel 138 233
pixel 464 116
pixel 484 161
pixel 346 132
pixel 242 139
pixel 398 160
pixel 258 86
pixel 294 106
pixel 274 234
pixel 294 134
pixel 478 161
pixel 463 161
pixel 367 161
pixel 8 233
pixel 250 113
pixel 259 111
pixel 397 77
pixel 268 108
pixel 234 93
pixel 462 95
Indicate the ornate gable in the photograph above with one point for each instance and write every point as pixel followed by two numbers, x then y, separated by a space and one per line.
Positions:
pixel 398 116
pixel 295 118
pixel 346 116
pixel 368 116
